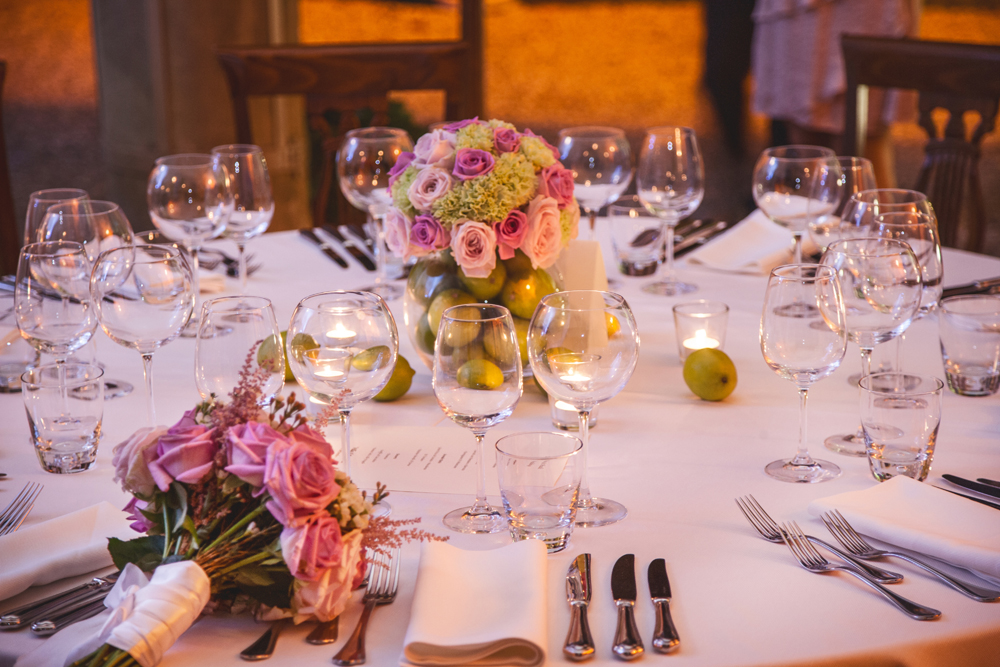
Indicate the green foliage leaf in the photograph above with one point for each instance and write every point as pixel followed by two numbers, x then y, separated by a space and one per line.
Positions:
pixel 144 552
pixel 231 483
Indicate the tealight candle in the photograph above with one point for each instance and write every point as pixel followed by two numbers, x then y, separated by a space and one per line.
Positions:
pixel 341 334
pixel 700 340
pixel 328 365
pixel 700 325
pixel 566 418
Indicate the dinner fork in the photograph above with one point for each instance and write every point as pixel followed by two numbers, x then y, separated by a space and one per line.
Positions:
pixel 14 514
pixel 812 560
pixel 381 590
pixel 853 542
pixel 768 529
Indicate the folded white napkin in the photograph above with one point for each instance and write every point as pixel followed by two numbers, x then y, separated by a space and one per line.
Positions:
pixel 917 516
pixel 73 544
pixel 211 283
pixel 754 245
pixel 479 607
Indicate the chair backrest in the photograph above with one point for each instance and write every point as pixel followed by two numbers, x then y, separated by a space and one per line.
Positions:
pixel 956 78
pixel 10 243
pixel 350 77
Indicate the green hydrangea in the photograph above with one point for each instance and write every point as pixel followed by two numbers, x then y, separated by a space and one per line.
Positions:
pixel 476 135
pixel 489 198
pixel 569 222
pixel 537 152
pixel 501 123
pixel 400 191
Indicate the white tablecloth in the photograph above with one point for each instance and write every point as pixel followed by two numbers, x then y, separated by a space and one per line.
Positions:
pixel 675 461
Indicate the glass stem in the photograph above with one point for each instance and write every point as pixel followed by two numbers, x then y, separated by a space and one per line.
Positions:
pixel 63 389
pixel 196 279
pixel 481 506
pixel 593 224
pixel 243 266
pixel 147 374
pixel 798 247
pixel 866 370
pixel 585 499
pixel 898 344
pixel 671 220
pixel 802 457
pixel 345 441
pixel 377 223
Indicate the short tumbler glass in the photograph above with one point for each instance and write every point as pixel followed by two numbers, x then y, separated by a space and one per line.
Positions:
pixel 65 406
pixel 539 483
pixel 637 237
pixel 900 415
pixel 969 327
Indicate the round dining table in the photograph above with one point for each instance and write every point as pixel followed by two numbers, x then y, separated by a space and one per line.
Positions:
pixel 675 461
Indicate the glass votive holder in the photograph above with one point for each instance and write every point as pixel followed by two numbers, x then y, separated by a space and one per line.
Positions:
pixel 969 328
pixel 567 418
pixel 65 406
pixel 700 324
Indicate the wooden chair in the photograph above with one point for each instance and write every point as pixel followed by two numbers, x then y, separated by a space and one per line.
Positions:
pixel 10 242
pixel 957 78
pixel 351 77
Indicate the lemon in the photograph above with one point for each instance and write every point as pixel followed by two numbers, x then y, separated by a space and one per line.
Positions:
pixel 371 359
pixel 269 355
pixel 522 292
pixel 521 329
pixel 399 382
pixel 614 326
pixel 488 287
pixel 480 374
pixel 710 374
pixel 300 343
pixel 442 302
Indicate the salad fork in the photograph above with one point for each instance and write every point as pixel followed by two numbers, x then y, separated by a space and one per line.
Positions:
pixel 15 513
pixel 381 590
pixel 769 530
pixel 853 542
pixel 812 560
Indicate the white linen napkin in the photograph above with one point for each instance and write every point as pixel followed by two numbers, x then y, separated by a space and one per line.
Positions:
pixel 211 283
pixel 917 516
pixel 754 245
pixel 73 544
pixel 479 607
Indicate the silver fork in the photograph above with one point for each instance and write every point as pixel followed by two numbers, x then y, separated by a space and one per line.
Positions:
pixel 853 542
pixel 381 590
pixel 14 514
pixel 768 529
pixel 812 560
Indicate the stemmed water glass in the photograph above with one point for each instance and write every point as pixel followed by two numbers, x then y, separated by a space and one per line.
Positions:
pixel 477 382
pixel 803 350
pixel 601 161
pixel 234 331
pixel 39 203
pixel 856 175
pixel 671 184
pixel 583 347
pixel 144 296
pixel 190 200
pixel 253 204
pixel 363 163
pixel 882 289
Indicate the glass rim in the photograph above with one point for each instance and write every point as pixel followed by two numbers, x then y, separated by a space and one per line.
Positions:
pixel 783 272
pixel 853 160
pixel 376 132
pixel 669 129
pixel 104 207
pixel 70 383
pixel 168 252
pixel 36 195
pixel 981 298
pixel 36 249
pixel 184 160
pixel 604 294
pixel 237 149
pixel 591 131
pixel 861 196
pixel 371 297
pixel 503 312
pixel 704 303
pixel 238 300
pixel 899 246
pixel 868 379
pixel 823 153
pixel 563 436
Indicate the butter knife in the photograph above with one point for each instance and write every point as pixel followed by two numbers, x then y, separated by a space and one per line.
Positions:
pixel 351 246
pixel 665 638
pixel 988 286
pixel 24 616
pixel 700 237
pixel 50 626
pixel 628 644
pixel 324 246
pixel 978 487
pixel 579 642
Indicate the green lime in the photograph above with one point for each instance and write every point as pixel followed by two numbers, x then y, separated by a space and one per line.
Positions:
pixel 480 374
pixel 457 334
pixel 442 302
pixel 517 264
pixel 540 387
pixel 521 293
pixel 710 374
pixel 399 382
pixel 521 329
pixel 269 356
pixel 300 343
pixel 500 346
pixel 425 335
pixel 485 288
pixel 371 359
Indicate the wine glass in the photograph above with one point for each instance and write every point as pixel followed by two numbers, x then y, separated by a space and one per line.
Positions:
pixel 477 382
pixel 882 289
pixel 234 331
pixel 794 185
pixel 190 200
pixel 144 297
pixel 583 347
pixel 253 205
pixel 800 351
pixel 342 347
pixel 856 174
pixel 671 184
pixel 39 203
pixel 601 161
pixel 363 163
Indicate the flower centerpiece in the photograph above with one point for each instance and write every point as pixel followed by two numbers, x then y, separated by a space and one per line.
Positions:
pixel 242 508
pixel 488 209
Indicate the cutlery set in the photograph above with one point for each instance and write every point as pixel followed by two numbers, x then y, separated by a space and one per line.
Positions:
pixel 347 240
pixel 627 644
pixel 47 616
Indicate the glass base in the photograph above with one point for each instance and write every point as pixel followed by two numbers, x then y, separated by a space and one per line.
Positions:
pixel 483 521
pixel 797 310
pixel 847 445
pixel 387 291
pixel 381 508
pixel 669 288
pixel 788 471
pixel 116 389
pixel 594 512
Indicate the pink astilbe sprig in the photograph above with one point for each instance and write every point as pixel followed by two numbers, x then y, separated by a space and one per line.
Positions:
pixel 384 534
pixel 244 399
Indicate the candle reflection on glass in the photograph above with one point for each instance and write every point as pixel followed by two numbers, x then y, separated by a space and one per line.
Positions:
pixel 330 365
pixel 700 324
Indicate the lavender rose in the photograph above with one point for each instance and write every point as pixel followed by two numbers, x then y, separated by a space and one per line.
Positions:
pixel 510 233
pixel 435 149
pixel 313 547
pixel 300 480
pixel 140 523
pixel 246 451
pixel 428 234
pixel 129 460
pixel 458 125
pixel 397 232
pixel 430 185
pixel 185 453
pixel 474 246
pixel 506 140
pixel 472 162
pixel 402 162
pixel 557 182
pixel 543 239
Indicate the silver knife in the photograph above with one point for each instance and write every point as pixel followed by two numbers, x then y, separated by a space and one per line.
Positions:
pixel 665 638
pixel 628 644
pixel 579 642
pixel 53 625
pixel 978 487
pixel 24 616
pixel 324 246
pixel 700 237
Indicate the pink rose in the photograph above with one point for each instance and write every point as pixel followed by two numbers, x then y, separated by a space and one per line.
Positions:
pixel 326 598
pixel 510 233
pixel 313 547
pixel 506 140
pixel 428 234
pixel 185 453
pixel 472 162
pixel 140 523
pixel 458 125
pixel 397 232
pixel 129 460
pixel 402 162
pixel 474 246
pixel 246 451
pixel 557 182
pixel 435 149
pixel 543 240
pixel 430 185
pixel 529 133
pixel 300 479
pixel 310 437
